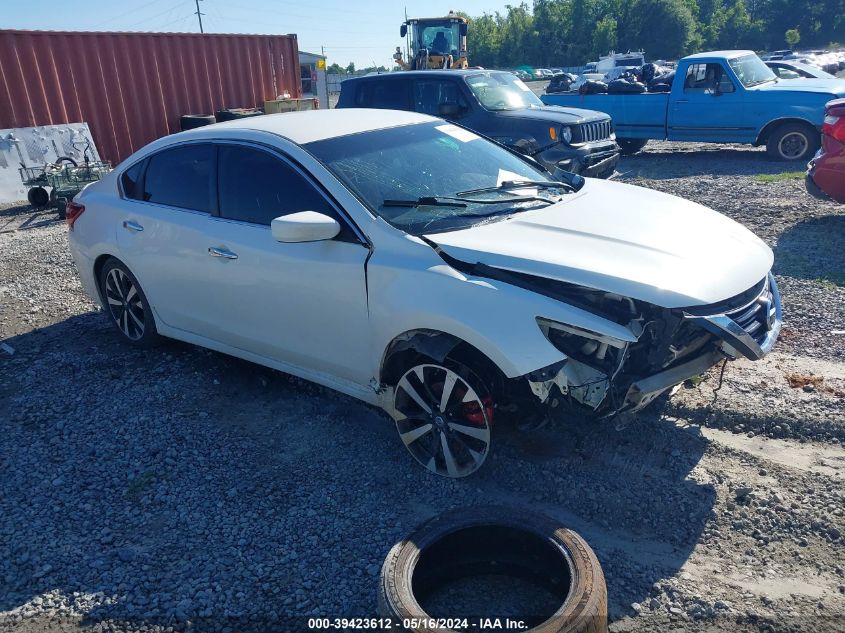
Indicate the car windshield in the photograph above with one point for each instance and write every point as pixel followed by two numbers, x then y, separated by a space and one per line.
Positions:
pixel 751 70
pixel 814 71
pixel 502 91
pixel 426 166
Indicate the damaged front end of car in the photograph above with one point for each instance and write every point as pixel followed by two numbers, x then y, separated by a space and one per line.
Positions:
pixel 602 376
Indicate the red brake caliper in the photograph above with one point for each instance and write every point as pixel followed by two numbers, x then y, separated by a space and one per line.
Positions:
pixel 472 412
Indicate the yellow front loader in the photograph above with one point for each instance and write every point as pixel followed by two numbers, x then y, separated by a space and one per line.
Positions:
pixel 434 43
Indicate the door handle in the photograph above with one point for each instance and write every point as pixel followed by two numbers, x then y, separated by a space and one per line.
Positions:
pixel 682 101
pixel 129 225
pixel 221 252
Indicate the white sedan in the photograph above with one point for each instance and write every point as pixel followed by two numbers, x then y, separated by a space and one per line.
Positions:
pixel 412 264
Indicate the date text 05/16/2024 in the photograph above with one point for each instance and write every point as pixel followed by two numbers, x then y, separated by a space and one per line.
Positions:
pixel 385 624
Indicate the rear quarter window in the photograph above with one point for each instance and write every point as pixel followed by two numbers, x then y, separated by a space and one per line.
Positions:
pixel 130 180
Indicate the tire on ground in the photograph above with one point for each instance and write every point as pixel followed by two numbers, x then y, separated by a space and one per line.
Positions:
pixel 150 337
pixel 191 121
pixel 38 197
pixel 491 540
pixel 630 146
pixel 793 142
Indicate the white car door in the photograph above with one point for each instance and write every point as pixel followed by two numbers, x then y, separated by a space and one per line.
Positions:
pixel 161 224
pixel 300 303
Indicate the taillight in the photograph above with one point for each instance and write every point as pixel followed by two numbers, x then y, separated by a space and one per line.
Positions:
pixel 72 213
pixel 834 126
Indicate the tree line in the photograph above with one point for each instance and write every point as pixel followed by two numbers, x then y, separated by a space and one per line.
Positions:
pixel 572 32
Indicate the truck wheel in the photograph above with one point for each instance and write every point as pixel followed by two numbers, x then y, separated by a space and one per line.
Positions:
pixel 793 141
pixel 630 146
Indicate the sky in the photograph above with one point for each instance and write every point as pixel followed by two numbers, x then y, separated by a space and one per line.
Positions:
pixel 365 32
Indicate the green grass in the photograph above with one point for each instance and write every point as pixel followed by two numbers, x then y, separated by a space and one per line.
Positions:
pixel 832 281
pixel 137 486
pixel 786 175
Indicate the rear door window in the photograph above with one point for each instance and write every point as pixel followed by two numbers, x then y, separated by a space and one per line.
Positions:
pixel 390 94
pixel 182 177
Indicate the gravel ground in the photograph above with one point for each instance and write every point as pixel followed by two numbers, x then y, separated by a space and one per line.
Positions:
pixel 157 490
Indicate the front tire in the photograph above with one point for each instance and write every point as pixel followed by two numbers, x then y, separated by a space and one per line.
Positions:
pixel 793 142
pixel 126 304
pixel 444 414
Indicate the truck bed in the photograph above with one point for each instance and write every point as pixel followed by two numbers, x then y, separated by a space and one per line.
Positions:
pixel 634 115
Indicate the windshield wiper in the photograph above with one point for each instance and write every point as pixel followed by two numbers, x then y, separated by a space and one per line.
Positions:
pixel 519 184
pixel 425 201
pixel 451 201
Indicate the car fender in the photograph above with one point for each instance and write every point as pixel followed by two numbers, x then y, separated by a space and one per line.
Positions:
pixel 420 292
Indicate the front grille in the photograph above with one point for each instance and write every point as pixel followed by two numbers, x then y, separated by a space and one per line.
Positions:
pixel 756 318
pixel 750 326
pixel 594 131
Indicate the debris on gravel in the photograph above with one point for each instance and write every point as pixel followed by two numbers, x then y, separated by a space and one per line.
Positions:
pixel 176 488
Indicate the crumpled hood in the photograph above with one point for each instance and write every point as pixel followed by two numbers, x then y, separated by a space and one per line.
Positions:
pixel 620 238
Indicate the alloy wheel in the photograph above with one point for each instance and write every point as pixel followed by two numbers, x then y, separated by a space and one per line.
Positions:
pixel 125 304
pixel 443 422
pixel 793 145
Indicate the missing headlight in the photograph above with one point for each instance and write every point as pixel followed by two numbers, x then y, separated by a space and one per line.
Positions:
pixel 591 348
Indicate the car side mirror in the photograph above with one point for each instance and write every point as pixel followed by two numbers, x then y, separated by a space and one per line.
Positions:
pixel 463 28
pixel 449 109
pixel 403 30
pixel 305 226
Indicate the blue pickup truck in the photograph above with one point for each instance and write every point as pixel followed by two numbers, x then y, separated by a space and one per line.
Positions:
pixel 720 97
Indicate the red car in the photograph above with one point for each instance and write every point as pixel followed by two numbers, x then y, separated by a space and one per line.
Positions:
pixel 826 172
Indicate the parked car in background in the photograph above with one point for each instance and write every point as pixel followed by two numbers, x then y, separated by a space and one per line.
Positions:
pixel 418 267
pixel 797 70
pixel 826 172
pixel 500 106
pixel 720 97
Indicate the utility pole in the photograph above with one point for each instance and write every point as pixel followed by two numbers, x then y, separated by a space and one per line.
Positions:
pixel 199 15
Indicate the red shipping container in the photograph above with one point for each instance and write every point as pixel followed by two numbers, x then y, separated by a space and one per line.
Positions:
pixel 132 88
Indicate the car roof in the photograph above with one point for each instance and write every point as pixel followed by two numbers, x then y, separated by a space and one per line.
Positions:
pixel 725 54
pixel 316 125
pixel 448 72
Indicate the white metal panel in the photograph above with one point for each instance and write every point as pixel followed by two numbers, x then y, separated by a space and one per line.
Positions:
pixel 36 146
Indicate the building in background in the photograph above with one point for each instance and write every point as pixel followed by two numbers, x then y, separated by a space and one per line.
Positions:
pixel 313 72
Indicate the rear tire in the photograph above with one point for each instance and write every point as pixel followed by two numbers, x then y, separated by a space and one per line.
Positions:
pixel 793 142
pixel 126 304
pixel 629 147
